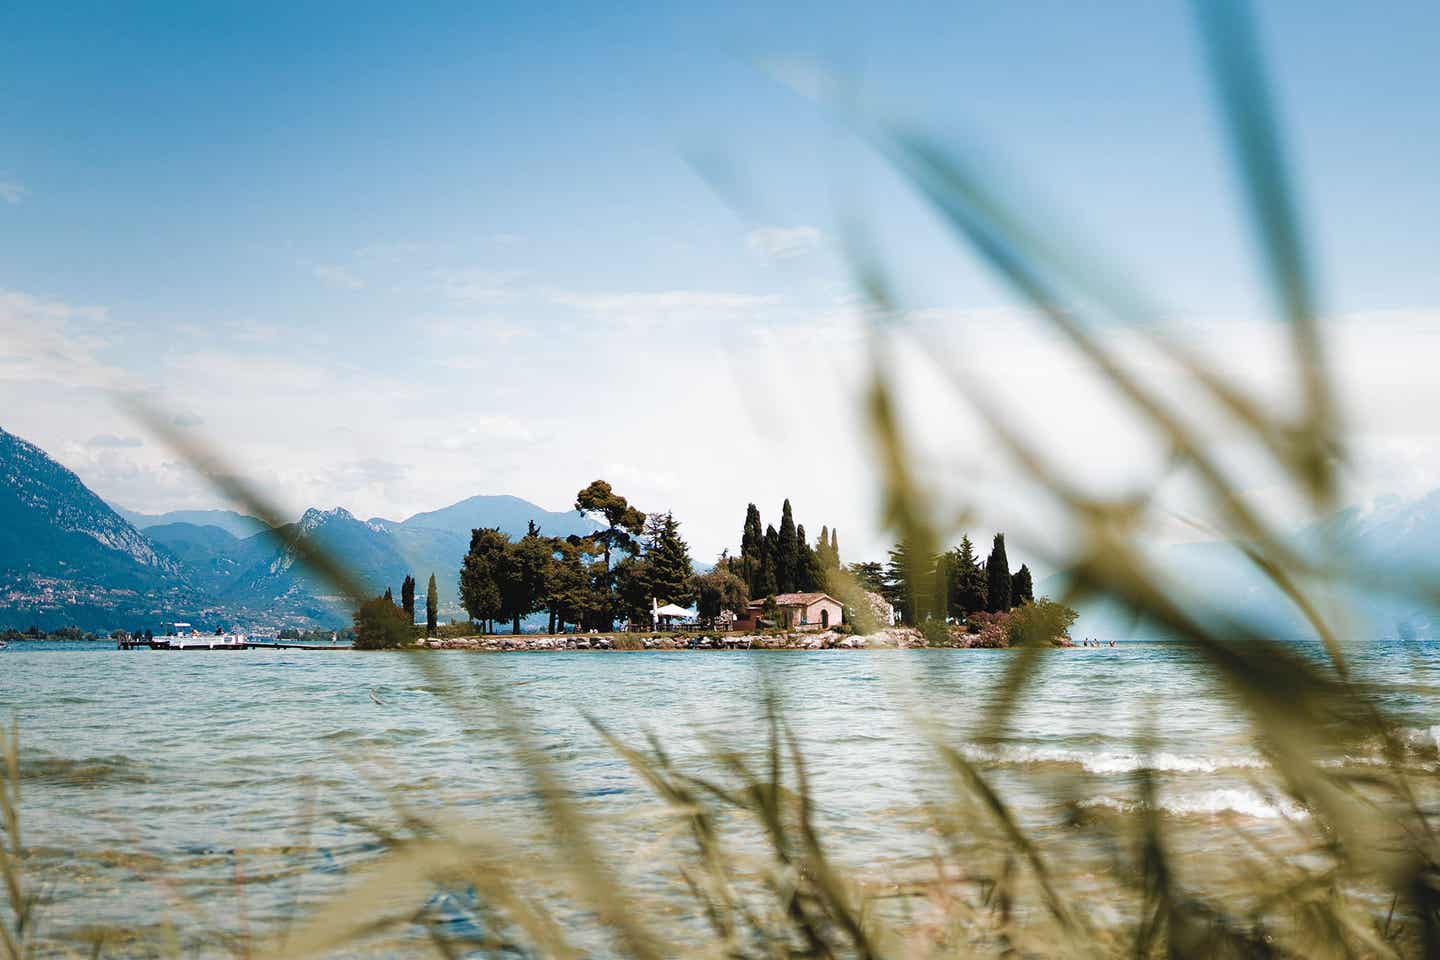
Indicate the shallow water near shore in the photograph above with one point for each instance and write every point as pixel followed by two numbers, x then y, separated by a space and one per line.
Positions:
pixel 245 779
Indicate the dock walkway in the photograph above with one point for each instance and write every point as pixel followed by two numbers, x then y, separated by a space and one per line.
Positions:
pixel 160 643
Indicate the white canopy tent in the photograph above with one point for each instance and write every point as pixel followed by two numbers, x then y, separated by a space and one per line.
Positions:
pixel 672 610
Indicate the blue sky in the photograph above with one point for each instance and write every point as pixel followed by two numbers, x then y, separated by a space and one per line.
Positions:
pixel 389 256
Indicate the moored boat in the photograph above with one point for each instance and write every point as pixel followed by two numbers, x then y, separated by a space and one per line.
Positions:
pixel 187 637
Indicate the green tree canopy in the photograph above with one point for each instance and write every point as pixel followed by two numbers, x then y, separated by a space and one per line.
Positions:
pixel 624 524
pixel 632 590
pixel 570 583
pixel 522 577
pixel 432 607
pixel 481 572
pixel 718 590
pixel 870 574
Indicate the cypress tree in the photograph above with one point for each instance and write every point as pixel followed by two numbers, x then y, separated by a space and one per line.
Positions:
pixel 1022 587
pixel 997 577
pixel 407 597
pixel 432 607
pixel 766 582
pixel 786 555
pixel 809 567
pixel 752 548
pixel 835 546
pixel 389 597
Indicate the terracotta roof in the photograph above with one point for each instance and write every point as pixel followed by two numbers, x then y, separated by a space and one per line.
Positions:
pixel 801 599
pixel 794 600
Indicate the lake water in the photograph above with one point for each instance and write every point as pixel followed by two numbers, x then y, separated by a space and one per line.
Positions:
pixel 207 769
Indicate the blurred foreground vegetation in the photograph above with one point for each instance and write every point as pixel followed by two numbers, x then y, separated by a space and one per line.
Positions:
pixel 737 864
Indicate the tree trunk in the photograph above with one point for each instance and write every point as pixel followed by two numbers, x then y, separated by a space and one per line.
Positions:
pixel 515 626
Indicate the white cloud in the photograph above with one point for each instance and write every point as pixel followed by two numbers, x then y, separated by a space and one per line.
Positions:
pixel 783 243
pixel 475 285
pixel 52 341
pixel 478 432
pixel 111 440
pixel 336 276
pixel 661 300
pixel 445 331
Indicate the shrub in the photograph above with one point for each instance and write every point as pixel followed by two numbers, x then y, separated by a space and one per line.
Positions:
pixel 936 632
pixel 1041 622
pixel 380 625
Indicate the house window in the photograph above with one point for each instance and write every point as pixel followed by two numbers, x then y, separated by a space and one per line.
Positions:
pixel 804 616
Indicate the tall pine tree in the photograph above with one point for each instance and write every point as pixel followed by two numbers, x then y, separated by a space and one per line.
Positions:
pixel 667 560
pixel 997 577
pixel 971 586
pixel 898 586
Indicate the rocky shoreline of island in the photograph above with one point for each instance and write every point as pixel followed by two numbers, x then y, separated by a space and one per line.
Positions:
pixel 889 638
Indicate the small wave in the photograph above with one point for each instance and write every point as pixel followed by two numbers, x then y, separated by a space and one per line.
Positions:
pixel 80 772
pixel 1113 762
pixel 1425 739
pixel 1211 803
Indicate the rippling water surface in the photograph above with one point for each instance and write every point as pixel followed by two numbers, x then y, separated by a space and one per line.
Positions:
pixel 154 781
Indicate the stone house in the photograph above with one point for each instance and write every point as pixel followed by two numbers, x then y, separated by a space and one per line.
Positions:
pixel 807 611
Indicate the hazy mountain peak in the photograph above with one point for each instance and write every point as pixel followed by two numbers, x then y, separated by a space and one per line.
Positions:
pixel 239 525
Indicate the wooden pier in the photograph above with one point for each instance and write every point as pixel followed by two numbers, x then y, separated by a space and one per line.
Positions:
pixel 162 643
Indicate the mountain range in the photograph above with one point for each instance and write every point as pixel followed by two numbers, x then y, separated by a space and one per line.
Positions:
pixel 1394 540
pixel 67 558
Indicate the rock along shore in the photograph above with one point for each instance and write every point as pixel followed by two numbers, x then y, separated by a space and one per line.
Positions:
pixel 893 638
